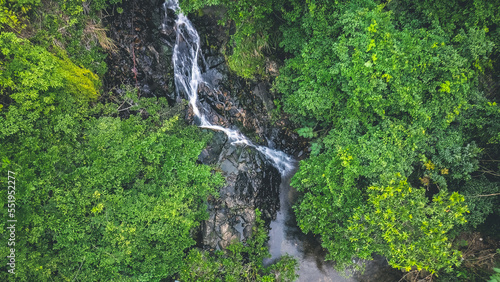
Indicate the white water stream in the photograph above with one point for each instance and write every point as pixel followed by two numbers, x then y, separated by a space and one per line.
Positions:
pixel 285 235
pixel 188 78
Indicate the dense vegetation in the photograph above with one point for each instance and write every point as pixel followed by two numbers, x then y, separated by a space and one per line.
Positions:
pixel 400 101
pixel 99 195
pixel 393 104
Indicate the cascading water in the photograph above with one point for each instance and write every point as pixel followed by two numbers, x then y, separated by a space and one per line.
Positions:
pixel 285 235
pixel 188 78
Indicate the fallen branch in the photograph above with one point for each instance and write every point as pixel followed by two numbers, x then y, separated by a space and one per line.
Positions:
pixel 489 195
pixel 491 172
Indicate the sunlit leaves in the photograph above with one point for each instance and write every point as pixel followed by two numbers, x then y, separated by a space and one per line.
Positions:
pixel 404 227
pixel 118 195
pixel 329 199
pixel 389 99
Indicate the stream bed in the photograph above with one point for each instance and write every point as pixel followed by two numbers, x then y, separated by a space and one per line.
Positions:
pixel 285 237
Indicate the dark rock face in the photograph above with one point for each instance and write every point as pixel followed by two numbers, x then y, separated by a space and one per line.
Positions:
pixel 250 183
pixel 143 60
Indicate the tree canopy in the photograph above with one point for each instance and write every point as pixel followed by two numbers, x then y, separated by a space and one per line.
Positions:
pixel 387 102
pixel 398 102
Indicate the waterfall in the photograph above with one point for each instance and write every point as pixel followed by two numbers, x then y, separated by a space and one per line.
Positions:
pixel 188 77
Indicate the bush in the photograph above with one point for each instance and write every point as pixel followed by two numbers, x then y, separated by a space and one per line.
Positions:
pixel 102 198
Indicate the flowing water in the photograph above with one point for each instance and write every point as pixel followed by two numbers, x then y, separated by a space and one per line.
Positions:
pixel 285 235
pixel 188 78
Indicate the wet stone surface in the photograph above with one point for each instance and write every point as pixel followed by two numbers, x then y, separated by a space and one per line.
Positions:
pixel 142 58
pixel 250 183
pixel 236 101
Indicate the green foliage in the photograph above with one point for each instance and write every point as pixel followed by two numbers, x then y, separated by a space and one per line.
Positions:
pixel 464 21
pixel 79 80
pixel 454 158
pixel 253 26
pixel 496 276
pixel 481 122
pixel 480 205
pixel 307 132
pixel 405 228
pixel 396 221
pixel 451 15
pixel 68 25
pixel 12 12
pixel 247 58
pixel 35 79
pixel 239 262
pixel 100 197
pixel 371 72
pixel 329 199
pixel 381 91
pixel 391 97
pixel 190 6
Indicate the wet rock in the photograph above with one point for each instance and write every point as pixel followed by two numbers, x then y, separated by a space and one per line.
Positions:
pixel 248 178
pixel 229 235
pixel 228 167
pixel 251 182
pixel 142 58
pixel 214 61
pixel 214 76
pixel 260 90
